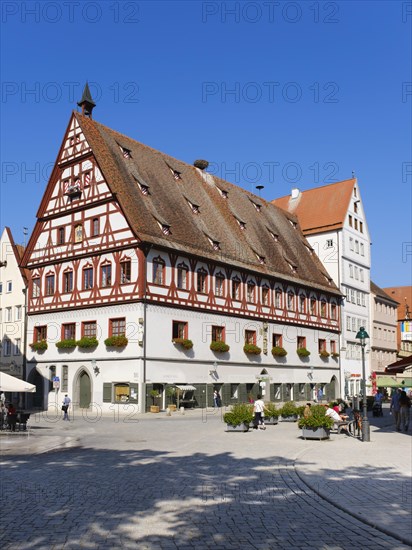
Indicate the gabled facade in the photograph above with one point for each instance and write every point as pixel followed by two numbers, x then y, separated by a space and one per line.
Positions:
pixel 13 283
pixel 138 253
pixel 383 345
pixel 403 295
pixel 334 222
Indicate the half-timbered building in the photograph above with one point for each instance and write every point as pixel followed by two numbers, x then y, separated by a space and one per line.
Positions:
pixel 147 273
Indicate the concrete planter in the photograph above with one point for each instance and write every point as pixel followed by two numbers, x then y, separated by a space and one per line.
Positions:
pixel 240 428
pixel 293 418
pixel 315 433
pixel 271 421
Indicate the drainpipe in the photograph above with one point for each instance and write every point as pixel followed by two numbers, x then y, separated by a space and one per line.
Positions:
pixel 25 323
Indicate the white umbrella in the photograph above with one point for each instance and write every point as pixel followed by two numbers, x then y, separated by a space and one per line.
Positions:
pixel 10 383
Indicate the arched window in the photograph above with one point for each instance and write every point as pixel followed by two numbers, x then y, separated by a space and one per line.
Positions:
pixel 182 276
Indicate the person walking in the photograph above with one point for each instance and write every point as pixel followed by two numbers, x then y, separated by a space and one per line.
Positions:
pixel 258 409
pixel 405 405
pixel 65 407
pixel 395 409
pixel 216 399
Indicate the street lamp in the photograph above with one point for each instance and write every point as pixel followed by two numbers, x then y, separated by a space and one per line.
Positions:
pixel 361 336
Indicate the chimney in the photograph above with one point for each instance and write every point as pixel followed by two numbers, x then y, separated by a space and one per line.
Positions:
pixel 295 193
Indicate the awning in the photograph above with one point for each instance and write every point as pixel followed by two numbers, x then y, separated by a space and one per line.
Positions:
pixel 10 383
pixel 187 387
pixel 393 381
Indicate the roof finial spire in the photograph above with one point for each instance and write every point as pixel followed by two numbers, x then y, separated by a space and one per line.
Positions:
pixel 353 174
pixel 86 103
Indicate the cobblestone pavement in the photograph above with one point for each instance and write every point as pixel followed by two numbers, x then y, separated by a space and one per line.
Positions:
pixel 182 482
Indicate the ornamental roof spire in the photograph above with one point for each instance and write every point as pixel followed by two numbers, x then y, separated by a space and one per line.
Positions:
pixel 86 103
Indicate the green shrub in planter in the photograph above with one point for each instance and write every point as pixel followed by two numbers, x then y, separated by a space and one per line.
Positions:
pixel 87 342
pixel 41 345
pixel 325 354
pixel 116 341
pixel 289 409
pixel 300 410
pixel 184 342
pixel 241 413
pixel 303 352
pixel 335 355
pixel 278 351
pixel 271 410
pixel 316 419
pixel 66 344
pixel 251 348
pixel 220 347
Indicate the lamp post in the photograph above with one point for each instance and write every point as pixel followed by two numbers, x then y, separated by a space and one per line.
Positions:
pixel 361 336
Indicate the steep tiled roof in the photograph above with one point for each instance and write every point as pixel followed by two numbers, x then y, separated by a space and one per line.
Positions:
pixel 270 241
pixel 382 294
pixel 18 252
pixel 321 209
pixel 403 295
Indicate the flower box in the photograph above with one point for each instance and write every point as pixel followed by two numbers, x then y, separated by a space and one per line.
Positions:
pixel 87 342
pixel 116 341
pixel 324 354
pixel 219 347
pixel 278 351
pixel 252 349
pixel 184 342
pixel 39 346
pixel 303 352
pixel 66 344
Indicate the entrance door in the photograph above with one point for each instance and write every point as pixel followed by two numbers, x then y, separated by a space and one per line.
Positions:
pixel 85 391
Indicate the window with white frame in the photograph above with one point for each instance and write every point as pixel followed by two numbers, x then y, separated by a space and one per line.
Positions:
pixel 329 243
pixel 182 276
pixel 201 280
pixel 351 271
pixel 348 322
pixel 9 315
pixel 361 275
pixel 250 291
pixel 351 243
pixel 158 271
pixel 362 249
pixel 235 288
pixel 9 287
pixel 6 347
pixel 278 298
pixel 219 284
pixel 17 313
pixel 17 347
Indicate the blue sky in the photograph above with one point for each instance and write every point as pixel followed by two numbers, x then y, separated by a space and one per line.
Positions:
pixel 280 94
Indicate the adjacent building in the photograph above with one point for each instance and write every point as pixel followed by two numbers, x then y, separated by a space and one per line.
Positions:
pixel 403 295
pixel 148 274
pixel 333 220
pixel 383 344
pixel 13 283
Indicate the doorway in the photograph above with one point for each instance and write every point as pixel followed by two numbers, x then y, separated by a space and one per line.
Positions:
pixel 85 390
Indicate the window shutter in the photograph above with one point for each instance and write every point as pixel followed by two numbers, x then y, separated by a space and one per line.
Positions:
pixel 107 392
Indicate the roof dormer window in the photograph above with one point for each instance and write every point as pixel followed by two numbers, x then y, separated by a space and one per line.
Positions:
pixel 215 244
pixel 166 229
pixel 144 189
pixel 176 174
pixel 127 154
pixel 274 236
pixel 242 225
pixel 224 194
pixel 261 259
pixel 292 223
pixel 193 207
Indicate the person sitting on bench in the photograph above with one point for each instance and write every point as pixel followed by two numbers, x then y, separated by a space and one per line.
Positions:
pixel 339 422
